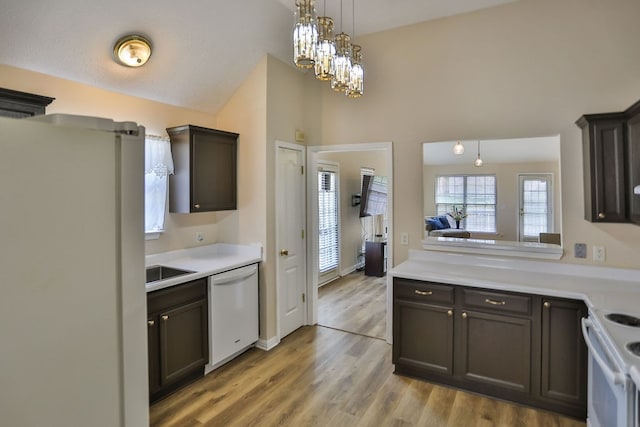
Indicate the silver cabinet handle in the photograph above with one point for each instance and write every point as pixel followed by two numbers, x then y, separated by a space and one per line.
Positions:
pixel 464 315
pixel 450 313
pixel 602 215
pixel 151 322
pixel 547 304
pixel 494 302
pixel 197 206
pixel 165 317
pixel 423 293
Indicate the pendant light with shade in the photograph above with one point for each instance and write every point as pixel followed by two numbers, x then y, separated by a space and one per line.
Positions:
pixel 305 34
pixel 458 148
pixel 326 48
pixel 356 76
pixel 478 162
pixel 342 60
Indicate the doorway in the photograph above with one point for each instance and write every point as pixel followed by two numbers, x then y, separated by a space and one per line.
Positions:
pixel 314 155
pixel 535 206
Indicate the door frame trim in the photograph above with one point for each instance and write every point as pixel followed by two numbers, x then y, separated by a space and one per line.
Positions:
pixel 312 209
pixel 335 167
pixel 292 146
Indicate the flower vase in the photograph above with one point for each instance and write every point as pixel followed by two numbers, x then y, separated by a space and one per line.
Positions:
pixel 457 223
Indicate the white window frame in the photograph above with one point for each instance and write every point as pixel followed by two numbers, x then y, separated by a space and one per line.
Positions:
pixel 333 273
pixel 158 167
pixel 464 204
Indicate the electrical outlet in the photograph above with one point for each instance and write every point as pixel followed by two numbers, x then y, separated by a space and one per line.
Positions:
pixel 199 237
pixel 404 239
pixel 580 250
pixel 598 253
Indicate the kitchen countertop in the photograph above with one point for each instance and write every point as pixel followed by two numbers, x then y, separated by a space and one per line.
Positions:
pixel 603 289
pixel 204 261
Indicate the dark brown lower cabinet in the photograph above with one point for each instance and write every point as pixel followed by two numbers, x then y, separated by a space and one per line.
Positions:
pixel 177 336
pixel 519 347
pixel 564 355
pixel 495 349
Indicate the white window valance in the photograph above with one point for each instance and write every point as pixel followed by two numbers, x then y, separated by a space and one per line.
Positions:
pixel 157 156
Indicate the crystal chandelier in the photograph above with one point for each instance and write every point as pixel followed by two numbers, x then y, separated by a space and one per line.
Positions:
pixel 305 34
pixel 326 49
pixel 333 59
pixel 356 76
pixel 342 63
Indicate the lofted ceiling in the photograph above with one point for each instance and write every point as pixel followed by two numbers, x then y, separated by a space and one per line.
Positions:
pixel 202 49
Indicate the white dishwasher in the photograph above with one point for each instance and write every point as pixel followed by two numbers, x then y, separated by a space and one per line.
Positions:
pixel 233 314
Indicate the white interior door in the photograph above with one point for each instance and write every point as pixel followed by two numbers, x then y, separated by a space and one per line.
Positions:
pixel 290 234
pixel 535 206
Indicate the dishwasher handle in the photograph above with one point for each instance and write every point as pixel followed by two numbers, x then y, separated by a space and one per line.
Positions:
pixel 234 275
pixel 614 377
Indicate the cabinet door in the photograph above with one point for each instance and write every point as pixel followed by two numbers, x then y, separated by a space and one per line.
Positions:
pixel 633 135
pixel 564 353
pixel 153 354
pixel 213 173
pixel 605 178
pixel 423 336
pixel 495 350
pixel 184 344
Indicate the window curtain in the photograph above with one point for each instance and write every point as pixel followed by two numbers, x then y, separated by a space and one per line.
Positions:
pixel 158 164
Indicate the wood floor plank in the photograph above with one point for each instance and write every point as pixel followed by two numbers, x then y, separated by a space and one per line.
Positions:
pixel 354 303
pixel 324 377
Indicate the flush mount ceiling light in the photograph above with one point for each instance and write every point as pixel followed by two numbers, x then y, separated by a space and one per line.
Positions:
pixel 458 148
pixel 132 50
pixel 478 162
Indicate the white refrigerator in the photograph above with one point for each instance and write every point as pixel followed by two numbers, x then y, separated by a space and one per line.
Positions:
pixel 73 342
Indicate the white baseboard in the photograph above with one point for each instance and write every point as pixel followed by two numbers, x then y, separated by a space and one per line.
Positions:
pixel 267 345
pixel 349 269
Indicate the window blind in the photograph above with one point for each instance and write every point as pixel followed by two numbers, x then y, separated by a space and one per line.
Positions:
pixel 328 222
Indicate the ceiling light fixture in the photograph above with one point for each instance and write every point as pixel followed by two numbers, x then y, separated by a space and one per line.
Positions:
pixel 458 148
pixel 305 34
pixel 356 76
pixel 478 162
pixel 333 59
pixel 132 50
pixel 326 48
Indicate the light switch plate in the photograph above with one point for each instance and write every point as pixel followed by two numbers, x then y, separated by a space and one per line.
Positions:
pixel 580 250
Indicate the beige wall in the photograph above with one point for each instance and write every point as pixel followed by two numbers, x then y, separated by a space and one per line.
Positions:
pixel 528 68
pixel 77 98
pixel 350 222
pixel 507 191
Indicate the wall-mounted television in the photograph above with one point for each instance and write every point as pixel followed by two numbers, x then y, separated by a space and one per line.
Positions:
pixel 373 199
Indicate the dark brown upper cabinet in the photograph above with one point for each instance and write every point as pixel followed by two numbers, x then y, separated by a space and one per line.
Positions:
pixel 18 105
pixel 611 164
pixel 205 165
pixel 633 137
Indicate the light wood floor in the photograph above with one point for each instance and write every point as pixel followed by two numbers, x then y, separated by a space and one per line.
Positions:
pixel 319 376
pixel 354 303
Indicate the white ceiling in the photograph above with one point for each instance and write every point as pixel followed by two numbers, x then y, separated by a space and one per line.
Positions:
pixel 203 49
pixel 543 149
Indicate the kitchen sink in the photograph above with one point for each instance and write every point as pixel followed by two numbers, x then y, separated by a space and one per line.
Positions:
pixel 161 272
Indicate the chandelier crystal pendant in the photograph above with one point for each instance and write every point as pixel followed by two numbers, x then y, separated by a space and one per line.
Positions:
pixel 356 76
pixel 305 34
pixel 342 63
pixel 326 49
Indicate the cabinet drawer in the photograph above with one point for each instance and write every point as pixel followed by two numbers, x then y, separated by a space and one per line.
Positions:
pixel 426 292
pixel 176 295
pixel 497 301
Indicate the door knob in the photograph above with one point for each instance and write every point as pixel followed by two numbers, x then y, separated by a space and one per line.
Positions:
pixel 284 252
